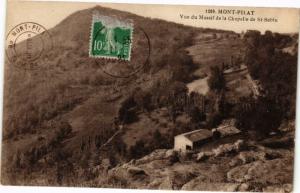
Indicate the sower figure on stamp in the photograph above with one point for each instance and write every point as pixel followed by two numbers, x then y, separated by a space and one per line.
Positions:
pixel 111 44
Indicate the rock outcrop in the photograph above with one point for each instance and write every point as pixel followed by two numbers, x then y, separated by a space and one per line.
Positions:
pixel 239 166
pixel 229 148
pixel 277 171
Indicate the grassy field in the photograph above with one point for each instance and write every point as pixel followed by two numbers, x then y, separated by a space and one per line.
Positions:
pixel 213 51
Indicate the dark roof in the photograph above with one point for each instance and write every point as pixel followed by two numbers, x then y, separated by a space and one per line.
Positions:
pixel 198 135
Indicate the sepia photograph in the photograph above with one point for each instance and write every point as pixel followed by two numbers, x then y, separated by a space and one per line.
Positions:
pixel 140 96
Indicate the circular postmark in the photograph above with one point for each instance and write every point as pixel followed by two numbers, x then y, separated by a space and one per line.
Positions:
pixel 139 59
pixel 25 44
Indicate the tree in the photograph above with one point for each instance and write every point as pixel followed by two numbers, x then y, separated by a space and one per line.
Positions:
pixel 142 99
pixel 157 139
pixel 17 160
pixel 251 37
pixel 261 116
pixel 64 128
pixel 84 161
pixel 98 142
pixel 275 70
pixel 216 80
pixel 138 150
pixel 177 98
pixel 181 66
pixel 127 112
pixel 196 115
pixel 213 119
pixel 119 145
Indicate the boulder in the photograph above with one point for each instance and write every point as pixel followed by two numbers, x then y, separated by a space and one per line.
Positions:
pixel 285 188
pixel 251 156
pixel 179 178
pixel 223 149
pixel 235 162
pixel 277 171
pixel 280 142
pixel 191 185
pixel 169 153
pixel 132 161
pixel 244 187
pixel 157 154
pixel 166 184
pixel 155 183
pixel 106 163
pixel 135 171
pixel 273 155
pixel 211 186
pixel 203 156
pixel 239 145
pixel 229 148
pixel 173 159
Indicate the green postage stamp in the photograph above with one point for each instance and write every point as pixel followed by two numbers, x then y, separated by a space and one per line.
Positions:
pixel 110 38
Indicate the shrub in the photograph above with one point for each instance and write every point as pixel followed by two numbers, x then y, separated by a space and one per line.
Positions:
pixel 127 112
pixel 261 116
pixel 196 115
pixel 138 150
pixel 275 70
pixel 216 81
pixel 64 129
pixel 213 120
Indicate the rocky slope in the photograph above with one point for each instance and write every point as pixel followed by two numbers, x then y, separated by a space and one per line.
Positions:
pixel 240 166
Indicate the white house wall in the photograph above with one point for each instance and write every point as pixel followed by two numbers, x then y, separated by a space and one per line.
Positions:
pixel 181 142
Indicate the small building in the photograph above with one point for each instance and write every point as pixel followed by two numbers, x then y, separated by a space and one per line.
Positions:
pixel 192 140
pixel 227 130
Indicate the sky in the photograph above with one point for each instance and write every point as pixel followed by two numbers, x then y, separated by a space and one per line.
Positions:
pixel 50 14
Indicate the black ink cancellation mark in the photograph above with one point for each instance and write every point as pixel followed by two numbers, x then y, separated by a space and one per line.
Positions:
pixel 25 43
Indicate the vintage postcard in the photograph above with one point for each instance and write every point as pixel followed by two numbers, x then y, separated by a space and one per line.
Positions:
pixel 138 96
